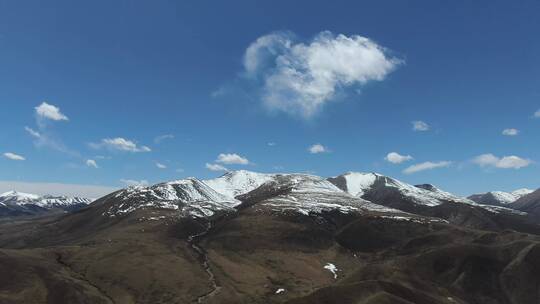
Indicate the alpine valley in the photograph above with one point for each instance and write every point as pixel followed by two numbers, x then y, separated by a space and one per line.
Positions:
pixel 249 237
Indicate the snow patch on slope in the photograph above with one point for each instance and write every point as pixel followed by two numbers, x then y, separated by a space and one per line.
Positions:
pixel 357 182
pixel 235 183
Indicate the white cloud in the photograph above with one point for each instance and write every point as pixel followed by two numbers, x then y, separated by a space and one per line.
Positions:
pixel 506 162
pixel 89 191
pixel 215 167
pixel 271 144
pixel 161 166
pixel 161 138
pixel 132 182
pixel 537 114
pixel 510 132
pixel 318 148
pixel 426 166
pixel 120 144
pixel 232 159
pixel 91 163
pixel 397 158
pixel 419 125
pixel 49 111
pixel 13 156
pixel 300 78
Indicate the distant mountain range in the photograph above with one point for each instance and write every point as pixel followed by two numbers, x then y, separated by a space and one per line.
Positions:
pixel 15 203
pixel 203 197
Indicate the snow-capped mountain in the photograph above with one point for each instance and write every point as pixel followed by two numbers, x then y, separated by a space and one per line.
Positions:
pixel 14 197
pixel 396 194
pixel 529 203
pixel 19 203
pixel 379 186
pixel 189 197
pixel 498 198
pixel 281 193
pixel 309 194
pixel 50 201
pixel 301 193
pixel 234 183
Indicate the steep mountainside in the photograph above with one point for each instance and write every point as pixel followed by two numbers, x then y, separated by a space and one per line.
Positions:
pixel 529 203
pixel 188 197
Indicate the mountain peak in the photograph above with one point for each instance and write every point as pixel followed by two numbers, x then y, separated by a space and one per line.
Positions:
pixel 190 196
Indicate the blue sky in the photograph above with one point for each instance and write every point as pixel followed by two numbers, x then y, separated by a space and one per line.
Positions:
pixel 105 81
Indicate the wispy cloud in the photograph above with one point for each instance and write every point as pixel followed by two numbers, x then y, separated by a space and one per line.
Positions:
pixel 161 166
pixel 421 126
pixel 163 137
pixel 232 159
pixel 396 158
pixel 89 191
pixel 45 115
pixel 120 144
pixel 510 132
pixel 133 182
pixel 426 166
pixel 505 162
pixel 32 132
pixel 300 78
pixel 318 148
pixel 13 156
pixel 215 167
pixel 537 114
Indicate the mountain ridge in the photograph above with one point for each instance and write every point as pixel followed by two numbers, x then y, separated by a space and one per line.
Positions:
pixel 285 238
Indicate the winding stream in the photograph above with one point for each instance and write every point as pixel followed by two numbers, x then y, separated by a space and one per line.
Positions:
pixel 192 240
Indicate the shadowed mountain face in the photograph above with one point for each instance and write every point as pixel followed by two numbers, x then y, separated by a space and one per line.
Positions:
pixel 282 238
pixel 529 203
pixel 499 198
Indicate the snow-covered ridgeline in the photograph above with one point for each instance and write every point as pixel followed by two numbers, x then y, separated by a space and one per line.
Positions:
pixel 359 184
pixel 14 198
pixel 302 193
pixel 190 197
